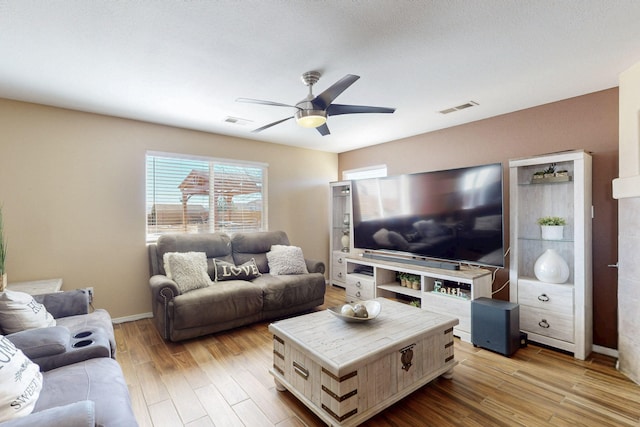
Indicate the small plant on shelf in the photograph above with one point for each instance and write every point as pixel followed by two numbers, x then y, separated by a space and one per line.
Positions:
pixel 550 174
pixel 415 303
pixel 552 227
pixel 402 278
pixel 552 220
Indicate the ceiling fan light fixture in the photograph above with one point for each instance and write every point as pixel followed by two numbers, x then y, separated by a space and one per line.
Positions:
pixel 311 118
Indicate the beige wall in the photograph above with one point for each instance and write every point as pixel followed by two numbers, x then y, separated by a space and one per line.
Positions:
pixel 587 122
pixel 73 189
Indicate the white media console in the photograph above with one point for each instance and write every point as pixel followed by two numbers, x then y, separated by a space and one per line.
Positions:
pixel 441 290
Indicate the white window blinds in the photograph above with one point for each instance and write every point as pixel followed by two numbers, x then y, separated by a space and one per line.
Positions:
pixel 201 195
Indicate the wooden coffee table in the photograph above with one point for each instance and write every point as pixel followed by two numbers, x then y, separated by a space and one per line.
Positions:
pixel 348 372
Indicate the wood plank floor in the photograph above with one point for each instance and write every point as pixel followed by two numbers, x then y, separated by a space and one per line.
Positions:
pixel 223 380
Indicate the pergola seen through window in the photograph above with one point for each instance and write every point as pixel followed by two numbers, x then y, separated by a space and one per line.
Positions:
pixel 196 194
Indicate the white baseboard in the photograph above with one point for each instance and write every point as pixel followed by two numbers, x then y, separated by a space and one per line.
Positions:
pixel 132 318
pixel 606 351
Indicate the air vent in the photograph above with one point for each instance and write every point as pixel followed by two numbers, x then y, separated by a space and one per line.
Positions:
pixel 459 107
pixel 237 121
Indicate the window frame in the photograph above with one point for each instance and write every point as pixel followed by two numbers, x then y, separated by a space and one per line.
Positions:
pixel 151 237
pixel 376 171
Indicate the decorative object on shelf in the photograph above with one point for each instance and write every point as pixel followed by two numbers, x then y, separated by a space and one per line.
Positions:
pixel 344 240
pixel 3 255
pixel 415 303
pixel 550 175
pixel 346 219
pixel 408 280
pixel 550 267
pixel 344 312
pixel 552 227
pixel 437 285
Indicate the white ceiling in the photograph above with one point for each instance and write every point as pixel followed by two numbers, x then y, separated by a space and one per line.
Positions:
pixel 184 63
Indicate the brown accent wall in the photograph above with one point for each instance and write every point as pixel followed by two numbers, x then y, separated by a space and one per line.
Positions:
pixel 73 189
pixel 587 122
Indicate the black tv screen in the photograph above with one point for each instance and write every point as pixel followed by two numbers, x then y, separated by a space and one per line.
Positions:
pixel 451 215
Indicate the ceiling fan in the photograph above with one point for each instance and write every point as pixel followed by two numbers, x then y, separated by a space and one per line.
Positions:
pixel 312 111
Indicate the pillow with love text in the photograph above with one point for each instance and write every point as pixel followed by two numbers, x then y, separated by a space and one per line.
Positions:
pixel 228 271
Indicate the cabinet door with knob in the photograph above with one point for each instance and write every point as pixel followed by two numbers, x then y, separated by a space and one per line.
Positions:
pixel 550 276
pixel 360 287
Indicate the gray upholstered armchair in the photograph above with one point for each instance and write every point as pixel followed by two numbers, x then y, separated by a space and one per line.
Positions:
pixel 82 384
pixel 78 335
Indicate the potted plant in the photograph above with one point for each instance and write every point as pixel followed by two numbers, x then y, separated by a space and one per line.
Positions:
pixel 552 227
pixel 3 255
pixel 415 281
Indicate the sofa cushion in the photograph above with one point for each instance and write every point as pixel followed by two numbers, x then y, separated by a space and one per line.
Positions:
pixel 286 260
pixel 256 245
pixel 187 269
pixel 229 271
pixel 77 414
pixel 67 303
pixel 215 245
pixel 99 380
pixel 290 291
pixel 228 300
pixel 19 311
pixel 20 382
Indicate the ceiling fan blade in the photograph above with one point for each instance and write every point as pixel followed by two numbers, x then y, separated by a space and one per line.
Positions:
pixel 337 109
pixel 324 130
pixel 323 100
pixel 271 124
pixel 260 101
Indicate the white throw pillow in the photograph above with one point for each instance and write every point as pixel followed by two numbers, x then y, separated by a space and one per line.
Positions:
pixel 187 269
pixel 286 260
pixel 19 311
pixel 20 382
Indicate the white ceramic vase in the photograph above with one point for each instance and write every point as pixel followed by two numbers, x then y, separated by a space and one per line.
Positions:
pixel 344 240
pixel 550 267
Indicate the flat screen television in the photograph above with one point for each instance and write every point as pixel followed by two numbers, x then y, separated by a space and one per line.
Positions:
pixel 453 215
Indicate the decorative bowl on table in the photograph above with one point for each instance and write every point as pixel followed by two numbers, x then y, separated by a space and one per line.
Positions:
pixel 357 312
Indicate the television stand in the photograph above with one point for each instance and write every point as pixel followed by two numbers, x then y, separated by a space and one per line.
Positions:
pixel 441 290
pixel 413 260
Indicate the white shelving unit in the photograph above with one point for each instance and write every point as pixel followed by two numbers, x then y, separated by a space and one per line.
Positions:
pixel 340 224
pixel 554 314
pixel 382 281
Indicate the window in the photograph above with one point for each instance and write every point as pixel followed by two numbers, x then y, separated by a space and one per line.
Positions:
pixel 367 172
pixel 187 194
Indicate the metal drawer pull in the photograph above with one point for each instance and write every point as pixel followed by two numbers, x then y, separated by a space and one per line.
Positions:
pixel 358 294
pixel 340 274
pixel 339 260
pixel 300 370
pixel 358 284
pixel 544 324
pixel 543 298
